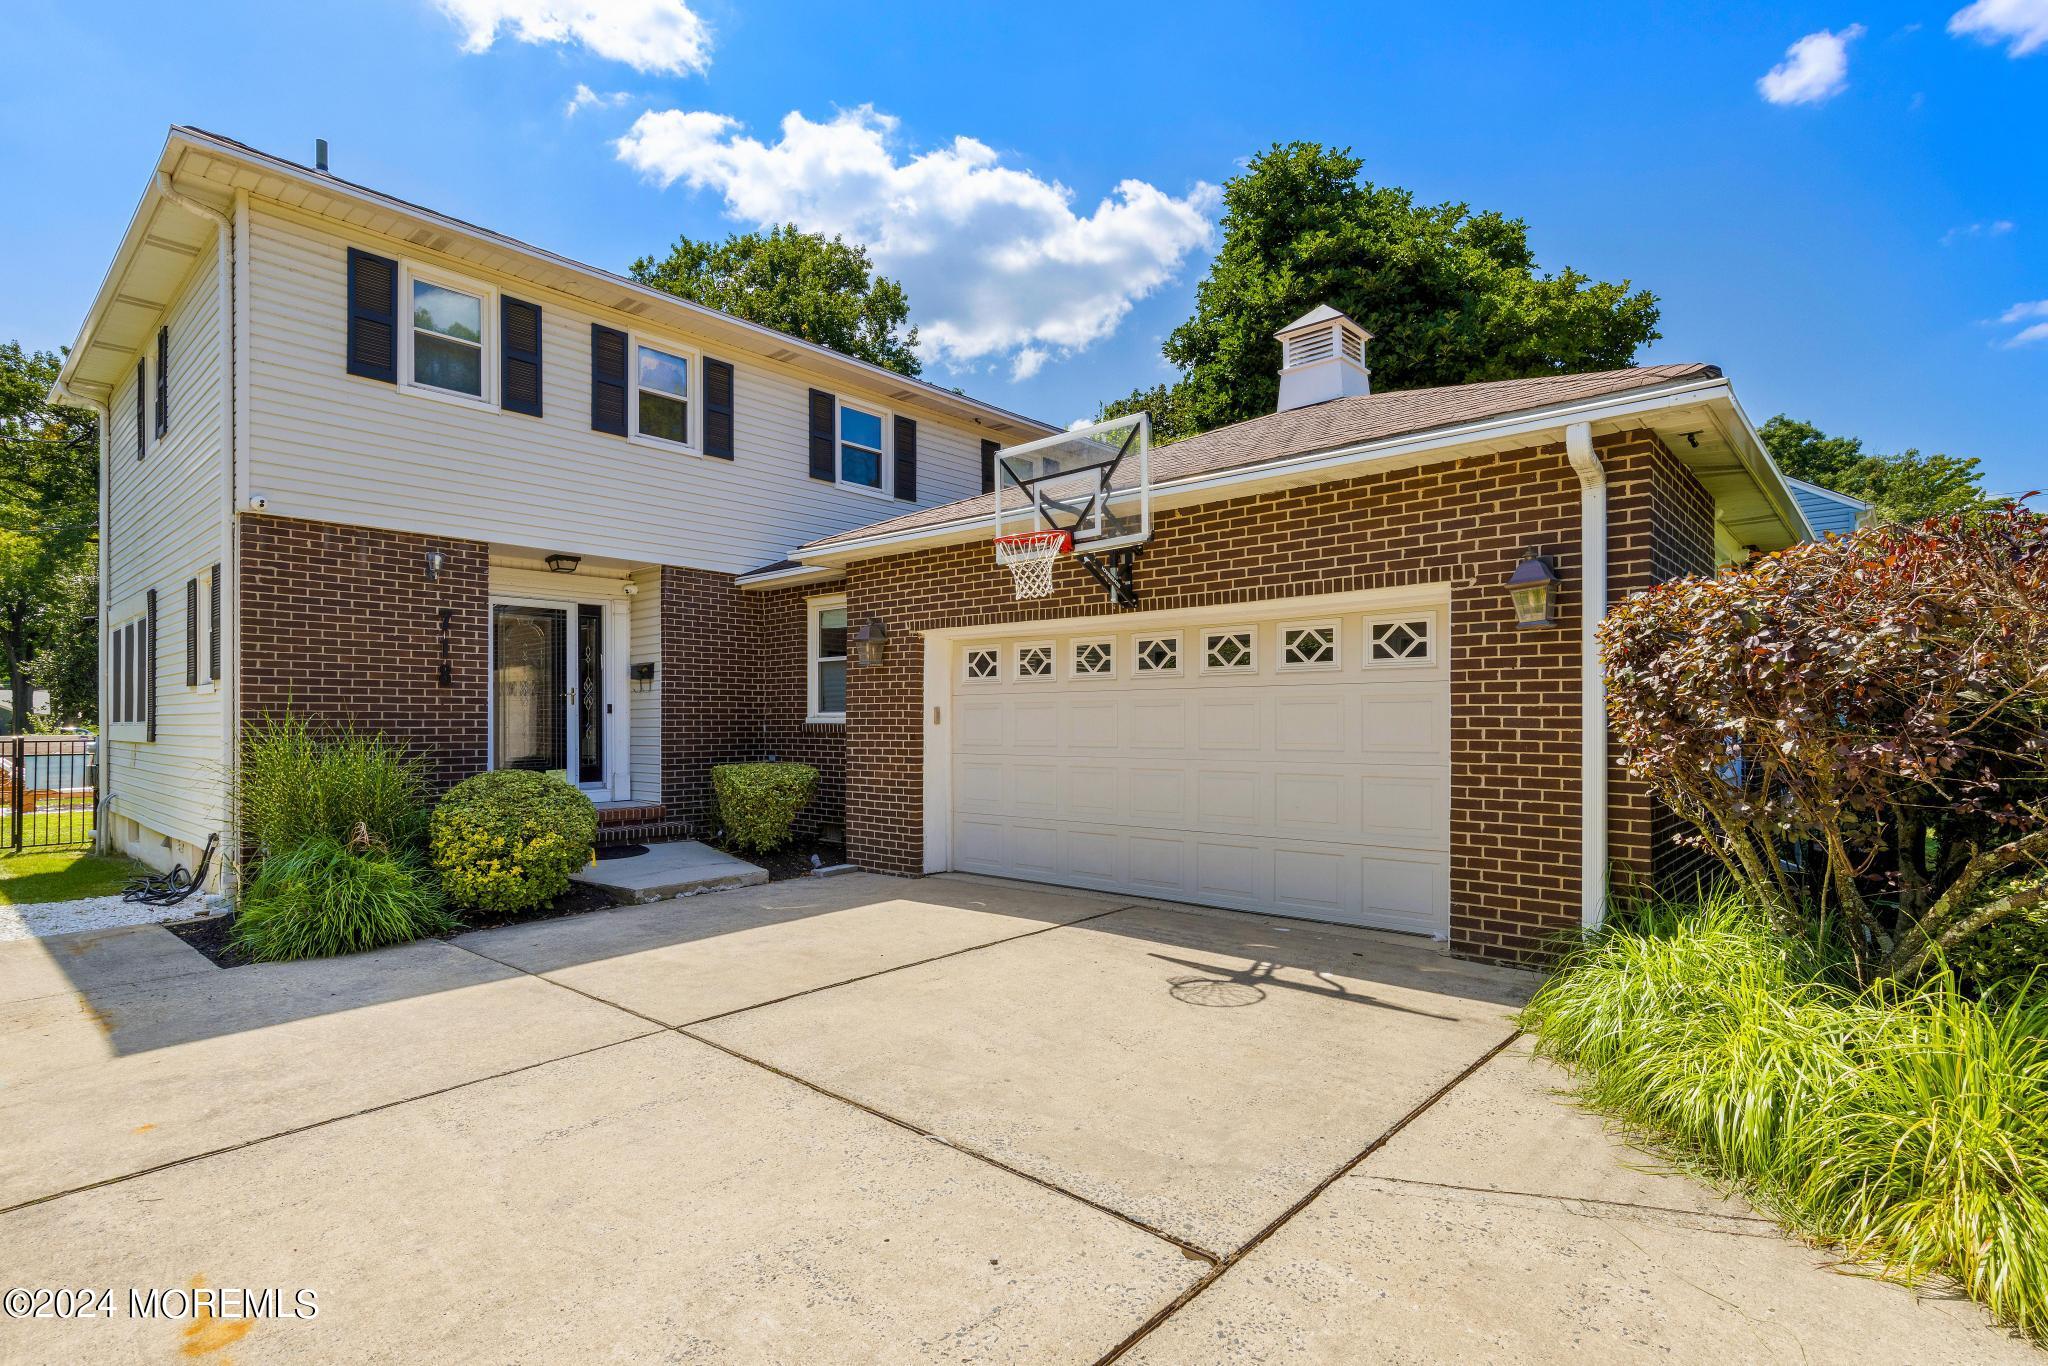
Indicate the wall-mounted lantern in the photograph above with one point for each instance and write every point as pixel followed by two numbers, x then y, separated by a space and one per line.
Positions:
pixel 435 561
pixel 1533 589
pixel 564 564
pixel 867 646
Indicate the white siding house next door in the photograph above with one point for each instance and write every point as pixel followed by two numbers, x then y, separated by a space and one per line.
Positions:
pixel 1294 761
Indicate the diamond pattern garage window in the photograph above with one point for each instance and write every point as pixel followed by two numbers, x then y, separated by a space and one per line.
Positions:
pixel 1094 659
pixel 982 665
pixel 1034 661
pixel 1398 641
pixel 1228 652
pixel 1158 654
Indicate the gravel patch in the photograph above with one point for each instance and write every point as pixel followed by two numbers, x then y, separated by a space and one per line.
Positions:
pixel 42 919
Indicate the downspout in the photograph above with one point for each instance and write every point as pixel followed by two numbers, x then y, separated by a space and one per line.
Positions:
pixel 1585 462
pixel 225 305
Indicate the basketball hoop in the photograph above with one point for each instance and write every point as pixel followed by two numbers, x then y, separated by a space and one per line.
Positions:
pixel 1030 557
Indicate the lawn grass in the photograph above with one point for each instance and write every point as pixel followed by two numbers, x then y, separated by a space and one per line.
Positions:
pixel 1908 1127
pixel 61 875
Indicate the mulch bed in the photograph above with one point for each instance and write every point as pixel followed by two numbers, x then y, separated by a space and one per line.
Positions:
pixel 578 899
pixel 796 860
pixel 210 937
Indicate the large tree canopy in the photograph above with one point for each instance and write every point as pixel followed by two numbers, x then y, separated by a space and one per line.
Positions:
pixel 49 516
pixel 1450 295
pixel 1905 487
pixel 812 286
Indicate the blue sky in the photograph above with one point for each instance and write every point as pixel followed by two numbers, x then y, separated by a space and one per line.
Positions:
pixel 1862 240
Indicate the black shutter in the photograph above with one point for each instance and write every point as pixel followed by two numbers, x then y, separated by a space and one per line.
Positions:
pixel 163 380
pixel 718 409
pixel 141 409
pixel 519 352
pixel 372 316
pixel 149 678
pixel 988 465
pixel 191 633
pixel 824 440
pixel 607 380
pixel 213 625
pixel 906 460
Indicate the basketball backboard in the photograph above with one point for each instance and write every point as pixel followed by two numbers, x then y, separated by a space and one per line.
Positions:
pixel 1094 482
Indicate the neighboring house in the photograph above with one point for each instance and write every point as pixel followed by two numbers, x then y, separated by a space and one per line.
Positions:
pixel 1827 511
pixel 522 512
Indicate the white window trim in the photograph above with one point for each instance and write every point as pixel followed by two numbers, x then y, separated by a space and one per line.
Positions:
pixel 1209 633
pixel 134 609
pixel 1052 660
pixel 814 608
pixel 1427 660
pixel 408 272
pixel 968 680
pixel 693 398
pixel 1077 644
pixel 1138 644
pixel 887 490
pixel 1336 660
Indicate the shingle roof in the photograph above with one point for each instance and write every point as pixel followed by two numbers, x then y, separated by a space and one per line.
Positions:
pixel 1327 426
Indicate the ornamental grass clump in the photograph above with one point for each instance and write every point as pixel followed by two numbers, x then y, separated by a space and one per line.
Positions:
pixel 507 841
pixel 1907 1124
pixel 299 781
pixel 324 897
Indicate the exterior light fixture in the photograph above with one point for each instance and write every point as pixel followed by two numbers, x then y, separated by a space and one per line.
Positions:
pixel 564 564
pixel 435 561
pixel 1533 589
pixel 869 644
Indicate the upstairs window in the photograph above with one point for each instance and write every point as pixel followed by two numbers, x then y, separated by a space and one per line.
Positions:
pixel 447 339
pixel 860 447
pixel 664 395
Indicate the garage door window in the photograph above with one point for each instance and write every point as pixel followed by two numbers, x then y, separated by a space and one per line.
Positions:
pixel 1157 656
pixel 1309 647
pixel 981 666
pixel 1404 641
pixel 1094 659
pixel 1228 652
pixel 1034 661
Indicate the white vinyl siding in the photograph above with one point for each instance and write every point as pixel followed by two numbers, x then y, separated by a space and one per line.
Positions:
pixel 643 703
pixel 329 446
pixel 164 520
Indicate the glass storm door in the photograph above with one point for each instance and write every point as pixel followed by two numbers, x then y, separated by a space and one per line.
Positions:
pixel 590 703
pixel 530 688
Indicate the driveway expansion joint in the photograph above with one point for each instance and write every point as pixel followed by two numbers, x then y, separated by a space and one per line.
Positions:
pixel 1591 1205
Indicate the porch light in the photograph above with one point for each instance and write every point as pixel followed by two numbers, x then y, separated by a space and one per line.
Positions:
pixel 1533 588
pixel 435 560
pixel 867 646
pixel 564 564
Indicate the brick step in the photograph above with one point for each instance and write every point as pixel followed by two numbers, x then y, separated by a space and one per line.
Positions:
pixel 638 813
pixel 647 833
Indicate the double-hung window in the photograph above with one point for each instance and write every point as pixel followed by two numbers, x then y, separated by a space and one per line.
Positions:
pixel 860 447
pixel 448 339
pixel 662 388
pixel 827 658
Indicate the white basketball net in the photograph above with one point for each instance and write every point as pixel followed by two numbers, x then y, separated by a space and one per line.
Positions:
pixel 1030 557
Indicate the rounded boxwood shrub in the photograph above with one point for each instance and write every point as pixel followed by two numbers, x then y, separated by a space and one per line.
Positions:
pixel 506 841
pixel 759 802
pixel 324 897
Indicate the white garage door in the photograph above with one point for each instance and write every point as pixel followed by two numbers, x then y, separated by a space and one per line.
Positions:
pixel 1298 763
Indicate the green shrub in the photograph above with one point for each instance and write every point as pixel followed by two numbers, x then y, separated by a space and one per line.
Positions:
pixel 1909 1126
pixel 324 897
pixel 299 782
pixel 2006 958
pixel 759 802
pixel 506 841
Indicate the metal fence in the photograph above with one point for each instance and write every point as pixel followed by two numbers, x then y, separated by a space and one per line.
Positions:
pixel 47 784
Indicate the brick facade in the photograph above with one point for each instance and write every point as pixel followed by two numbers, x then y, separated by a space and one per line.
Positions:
pixel 780 632
pixel 342 624
pixel 1515 814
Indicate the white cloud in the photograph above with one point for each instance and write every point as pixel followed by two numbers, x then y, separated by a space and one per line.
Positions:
pixel 1997 227
pixel 996 260
pixel 2023 312
pixel 2020 24
pixel 586 98
pixel 1815 68
pixel 664 36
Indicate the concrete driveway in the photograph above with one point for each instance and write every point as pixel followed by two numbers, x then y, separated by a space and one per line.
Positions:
pixel 864 1119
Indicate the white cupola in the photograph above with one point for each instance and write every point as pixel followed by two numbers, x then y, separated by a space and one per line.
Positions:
pixel 1322 356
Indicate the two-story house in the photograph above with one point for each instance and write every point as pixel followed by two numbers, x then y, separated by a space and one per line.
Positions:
pixel 374 464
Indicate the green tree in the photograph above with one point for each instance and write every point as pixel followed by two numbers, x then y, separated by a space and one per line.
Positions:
pixel 812 286
pixel 49 513
pixel 1450 295
pixel 1905 487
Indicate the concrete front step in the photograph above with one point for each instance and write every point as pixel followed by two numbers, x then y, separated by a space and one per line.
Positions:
pixel 677 868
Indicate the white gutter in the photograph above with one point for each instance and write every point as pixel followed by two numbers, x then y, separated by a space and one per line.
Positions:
pixel 1585 462
pixel 1315 464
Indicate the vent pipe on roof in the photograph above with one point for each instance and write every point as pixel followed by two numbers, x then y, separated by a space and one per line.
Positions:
pixel 320 154
pixel 1322 356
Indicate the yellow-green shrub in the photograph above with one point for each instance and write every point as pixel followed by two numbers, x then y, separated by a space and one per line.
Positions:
pixel 759 802
pixel 506 841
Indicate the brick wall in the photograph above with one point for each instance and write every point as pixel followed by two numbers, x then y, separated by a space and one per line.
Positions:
pixel 780 631
pixel 340 623
pixel 1515 818
pixel 708 674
